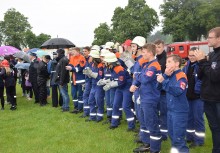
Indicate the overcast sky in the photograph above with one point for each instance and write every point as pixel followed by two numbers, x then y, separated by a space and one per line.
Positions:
pixel 71 19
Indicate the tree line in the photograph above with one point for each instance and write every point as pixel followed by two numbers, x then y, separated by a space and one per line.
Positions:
pixel 182 20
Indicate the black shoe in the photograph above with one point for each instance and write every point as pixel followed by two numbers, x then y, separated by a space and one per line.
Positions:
pixel 142 148
pixel 133 130
pixel 138 141
pixel 13 108
pixel 99 120
pixel 164 139
pixel 36 102
pixel 65 110
pixel 106 122
pixel 2 108
pixel 75 111
pixel 193 145
pixel 88 120
pixel 112 127
pixel 83 116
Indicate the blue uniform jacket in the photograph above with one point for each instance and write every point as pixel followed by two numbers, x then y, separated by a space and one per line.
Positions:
pixel 100 70
pixel 198 82
pixel 121 75
pixel 147 80
pixel 175 87
pixel 88 64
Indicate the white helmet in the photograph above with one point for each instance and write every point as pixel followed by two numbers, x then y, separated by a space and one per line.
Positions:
pixel 139 40
pixel 95 47
pixel 104 52
pixel 109 45
pixel 110 58
pixel 94 53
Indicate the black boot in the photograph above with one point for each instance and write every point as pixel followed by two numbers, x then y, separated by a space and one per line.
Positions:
pixel 142 148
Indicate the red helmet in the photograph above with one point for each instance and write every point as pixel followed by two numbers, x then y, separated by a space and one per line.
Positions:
pixel 127 42
pixel 5 63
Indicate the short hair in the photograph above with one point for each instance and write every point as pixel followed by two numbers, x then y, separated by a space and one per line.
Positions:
pixel 176 58
pixel 158 41
pixel 150 47
pixel 87 48
pixel 193 48
pixel 215 30
pixel 76 49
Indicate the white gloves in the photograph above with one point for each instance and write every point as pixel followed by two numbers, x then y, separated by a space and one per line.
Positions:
pixel 110 85
pixel 87 71
pixel 102 82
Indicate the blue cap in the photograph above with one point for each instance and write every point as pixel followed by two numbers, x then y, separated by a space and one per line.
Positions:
pixel 33 54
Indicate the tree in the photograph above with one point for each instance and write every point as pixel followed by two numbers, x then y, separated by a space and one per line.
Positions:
pixel 102 34
pixel 135 19
pixel 13 28
pixel 33 41
pixel 159 35
pixel 189 19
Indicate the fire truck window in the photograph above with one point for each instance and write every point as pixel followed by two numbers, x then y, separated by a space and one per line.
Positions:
pixel 181 48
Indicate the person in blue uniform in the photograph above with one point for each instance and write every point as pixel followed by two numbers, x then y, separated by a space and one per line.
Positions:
pixel 174 82
pixel 96 96
pixel 149 99
pixel 196 125
pixel 121 81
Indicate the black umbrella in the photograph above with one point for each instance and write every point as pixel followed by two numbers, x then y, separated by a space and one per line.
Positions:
pixel 56 43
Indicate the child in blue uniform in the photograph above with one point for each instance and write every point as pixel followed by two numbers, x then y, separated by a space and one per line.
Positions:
pixel 174 82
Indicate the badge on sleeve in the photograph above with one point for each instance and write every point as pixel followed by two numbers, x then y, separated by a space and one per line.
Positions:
pixel 100 72
pixel 214 65
pixel 121 78
pixel 183 85
pixel 149 73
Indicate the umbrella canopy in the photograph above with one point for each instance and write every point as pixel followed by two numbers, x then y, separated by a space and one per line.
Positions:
pixel 22 55
pixel 8 50
pixel 41 53
pixel 22 66
pixel 56 43
pixel 33 50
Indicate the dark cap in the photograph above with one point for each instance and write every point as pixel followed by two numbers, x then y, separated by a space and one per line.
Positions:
pixel 33 54
pixel 60 51
pixel 47 57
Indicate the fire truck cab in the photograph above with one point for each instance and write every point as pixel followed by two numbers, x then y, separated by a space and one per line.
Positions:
pixel 182 48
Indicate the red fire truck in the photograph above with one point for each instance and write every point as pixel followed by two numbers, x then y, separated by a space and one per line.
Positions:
pixel 182 48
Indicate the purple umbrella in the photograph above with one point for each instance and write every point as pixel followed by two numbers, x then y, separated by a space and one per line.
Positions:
pixel 8 50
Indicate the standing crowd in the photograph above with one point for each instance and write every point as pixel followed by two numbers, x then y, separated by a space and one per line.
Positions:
pixel 152 89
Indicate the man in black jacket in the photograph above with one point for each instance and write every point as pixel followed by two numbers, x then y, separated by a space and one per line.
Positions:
pixel 162 57
pixel 42 76
pixel 63 78
pixel 33 75
pixel 209 73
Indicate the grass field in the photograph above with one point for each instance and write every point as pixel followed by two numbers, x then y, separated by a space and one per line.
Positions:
pixel 35 129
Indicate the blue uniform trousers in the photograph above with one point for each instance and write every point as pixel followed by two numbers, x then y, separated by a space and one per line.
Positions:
pixel 150 131
pixel 212 111
pixel 88 86
pixel 109 98
pixel 196 126
pixel 96 103
pixel 77 96
pixel 137 106
pixel 163 116
pixel 122 98
pixel 177 123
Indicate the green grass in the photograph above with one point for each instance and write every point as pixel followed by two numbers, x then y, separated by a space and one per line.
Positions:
pixel 36 129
